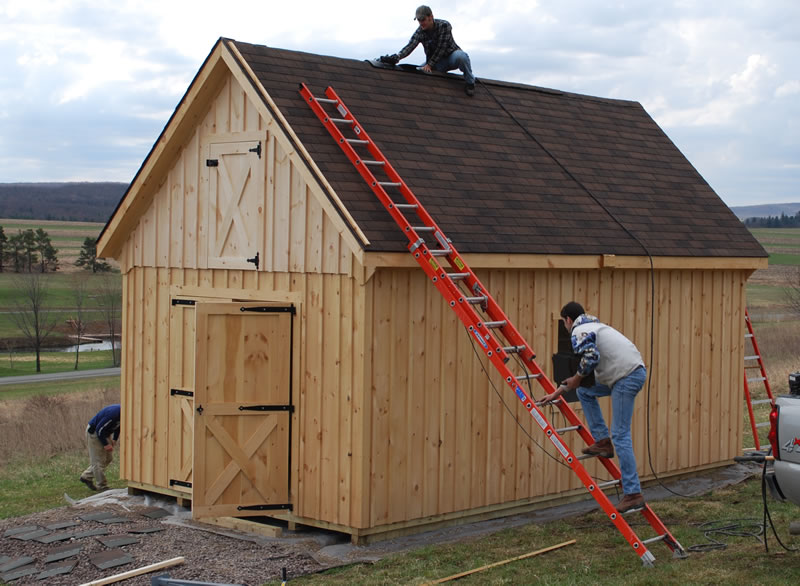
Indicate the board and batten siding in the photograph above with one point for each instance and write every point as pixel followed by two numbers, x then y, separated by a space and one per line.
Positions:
pixel 328 389
pixel 442 439
pixel 298 235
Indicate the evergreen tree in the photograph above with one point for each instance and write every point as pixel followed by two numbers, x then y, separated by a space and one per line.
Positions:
pixel 47 252
pixel 88 257
pixel 3 248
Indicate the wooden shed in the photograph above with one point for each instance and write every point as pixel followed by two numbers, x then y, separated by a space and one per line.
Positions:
pixel 284 354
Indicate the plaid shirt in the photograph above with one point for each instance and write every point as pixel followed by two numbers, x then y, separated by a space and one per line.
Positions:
pixel 438 42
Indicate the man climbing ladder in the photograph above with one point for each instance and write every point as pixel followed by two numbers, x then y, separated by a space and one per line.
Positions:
pixel 476 309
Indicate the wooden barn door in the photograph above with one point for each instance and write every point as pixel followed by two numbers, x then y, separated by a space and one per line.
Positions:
pixel 236 204
pixel 242 409
pixel 181 394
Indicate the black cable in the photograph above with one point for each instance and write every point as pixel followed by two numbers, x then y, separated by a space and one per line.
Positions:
pixel 767 516
pixel 638 241
pixel 747 527
pixel 502 400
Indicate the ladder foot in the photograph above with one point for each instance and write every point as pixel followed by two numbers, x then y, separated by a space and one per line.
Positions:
pixel 648 560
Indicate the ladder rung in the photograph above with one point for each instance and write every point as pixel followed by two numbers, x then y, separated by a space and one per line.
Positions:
pixel 756 379
pixel 476 300
pixel 607 484
pixel 459 277
pixel 748 335
pixel 326 101
pixel 513 349
pixel 373 162
pixel 529 376
pixel 495 324
pixel 754 357
pixel 563 430
pixel 423 228
pixel 441 251
pixel 764 424
pixel 406 206
pixel 388 183
pixel 760 401
pixel 357 141
pixel 654 539
pixel 341 121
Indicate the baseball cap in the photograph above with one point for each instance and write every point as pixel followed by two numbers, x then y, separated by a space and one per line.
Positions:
pixel 423 11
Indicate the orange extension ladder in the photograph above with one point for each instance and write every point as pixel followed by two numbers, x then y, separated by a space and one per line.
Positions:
pixel 467 296
pixel 749 364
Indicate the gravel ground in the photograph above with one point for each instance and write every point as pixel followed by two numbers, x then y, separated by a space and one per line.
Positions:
pixel 211 554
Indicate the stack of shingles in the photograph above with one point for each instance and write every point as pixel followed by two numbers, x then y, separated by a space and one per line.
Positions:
pixel 57 560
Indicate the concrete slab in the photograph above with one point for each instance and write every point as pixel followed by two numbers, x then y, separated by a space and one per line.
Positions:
pixel 19 573
pixel 32 535
pixel 155 513
pixel 63 552
pixel 110 559
pixel 61 525
pixel 18 530
pixel 57 570
pixel 4 559
pixel 112 520
pixel 145 530
pixel 15 563
pixel 53 537
pixel 118 540
pixel 91 532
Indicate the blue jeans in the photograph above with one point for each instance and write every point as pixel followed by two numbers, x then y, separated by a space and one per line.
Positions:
pixel 622 394
pixel 458 59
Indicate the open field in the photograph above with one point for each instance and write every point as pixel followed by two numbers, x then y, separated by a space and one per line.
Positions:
pixel 67 237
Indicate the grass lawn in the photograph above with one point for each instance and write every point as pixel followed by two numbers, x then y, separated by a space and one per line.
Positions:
pixel 27 487
pixel 47 388
pixel 22 363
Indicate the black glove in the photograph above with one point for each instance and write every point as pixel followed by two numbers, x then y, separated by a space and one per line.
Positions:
pixel 389 59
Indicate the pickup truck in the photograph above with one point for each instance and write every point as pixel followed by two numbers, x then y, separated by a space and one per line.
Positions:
pixel 783 477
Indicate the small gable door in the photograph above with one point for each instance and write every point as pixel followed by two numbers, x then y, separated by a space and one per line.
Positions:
pixel 236 204
pixel 242 414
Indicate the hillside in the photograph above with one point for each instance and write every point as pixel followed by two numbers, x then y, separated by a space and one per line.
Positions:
pixel 73 202
pixel 766 210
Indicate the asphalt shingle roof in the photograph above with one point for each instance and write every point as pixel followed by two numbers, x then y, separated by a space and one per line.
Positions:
pixel 514 169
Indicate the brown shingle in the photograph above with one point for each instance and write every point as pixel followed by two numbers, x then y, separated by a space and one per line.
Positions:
pixel 514 169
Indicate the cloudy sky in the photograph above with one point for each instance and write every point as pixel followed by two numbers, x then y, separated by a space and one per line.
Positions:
pixel 86 87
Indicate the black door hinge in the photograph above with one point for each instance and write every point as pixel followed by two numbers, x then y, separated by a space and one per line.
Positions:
pixel 254 260
pixel 269 309
pixel 173 482
pixel 289 408
pixel 212 162
pixel 183 302
pixel 181 392
pixel 256 149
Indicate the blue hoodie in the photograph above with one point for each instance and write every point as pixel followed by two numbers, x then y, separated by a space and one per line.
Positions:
pixel 106 423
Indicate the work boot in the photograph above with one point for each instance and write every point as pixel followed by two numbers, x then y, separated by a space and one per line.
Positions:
pixel 469 89
pixel 88 483
pixel 631 502
pixel 601 448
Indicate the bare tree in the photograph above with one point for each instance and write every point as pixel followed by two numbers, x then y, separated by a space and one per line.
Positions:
pixel 32 316
pixel 110 301
pixel 79 292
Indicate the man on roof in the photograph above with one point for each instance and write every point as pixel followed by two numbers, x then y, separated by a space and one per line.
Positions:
pixel 441 51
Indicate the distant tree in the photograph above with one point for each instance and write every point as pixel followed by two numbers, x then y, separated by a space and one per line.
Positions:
pixel 32 315
pixel 88 257
pixel 3 248
pixel 48 254
pixel 15 251
pixel 30 257
pixel 79 295
pixel 109 299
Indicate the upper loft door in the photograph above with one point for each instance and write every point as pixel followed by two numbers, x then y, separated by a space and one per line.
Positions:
pixel 236 196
